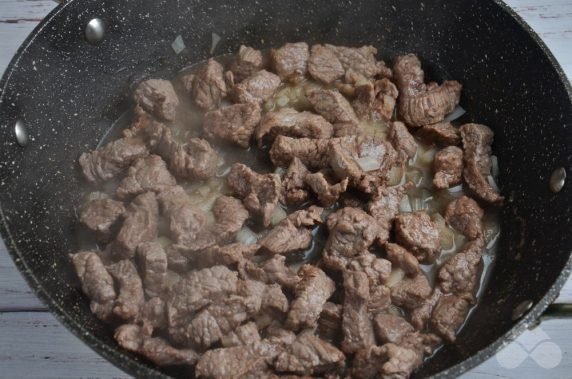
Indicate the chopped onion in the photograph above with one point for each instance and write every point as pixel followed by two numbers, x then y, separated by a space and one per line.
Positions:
pixel 405 205
pixel 164 241
pixel 368 163
pixel 203 190
pixel 495 166
pixel 446 235
pixel 282 101
pixel 395 310
pixel 280 171
pixel 491 232
pixel 395 176
pixel 178 45
pixel 493 184
pixel 97 196
pixel 395 277
pixel 455 189
pixel 278 215
pixel 426 157
pixel 210 218
pixel 223 171
pixel 414 175
pixel 457 113
pixel 416 203
pixel 246 236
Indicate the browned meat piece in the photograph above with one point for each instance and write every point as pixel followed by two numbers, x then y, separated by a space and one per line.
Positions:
pixel 356 325
pixel 384 207
pixel 359 59
pixel 132 337
pixel 377 271
pixel 448 167
pixel 259 192
pixel 146 174
pixel 247 62
pixel 402 258
pixel 109 161
pixel 335 108
pixel 402 141
pixel 400 360
pixel 101 216
pixel 477 140
pixel 293 185
pixel 308 217
pixel 383 71
pixel 230 215
pixel 140 225
pixel 419 316
pixel 449 314
pixel 391 328
pixel 418 234
pixel 233 124
pixel 176 260
pixel 311 152
pixel 327 192
pixel 291 123
pixel 308 355
pixel 368 363
pixel 95 281
pixel 352 231
pixel 274 270
pixel 291 60
pixel 152 261
pixel 207 86
pixel 421 104
pixel 375 101
pixel 257 88
pixel 184 221
pixel 312 292
pixel 195 159
pixel 227 255
pixel 410 293
pixel 157 97
pixel 131 297
pixel 244 335
pixel 153 314
pixel 442 133
pixel 324 65
pixel 330 322
pixel 465 216
pixel 460 274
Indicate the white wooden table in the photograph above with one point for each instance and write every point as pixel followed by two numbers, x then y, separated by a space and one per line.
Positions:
pixel 34 344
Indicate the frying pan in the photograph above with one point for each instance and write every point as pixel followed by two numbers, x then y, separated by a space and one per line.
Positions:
pixel 67 92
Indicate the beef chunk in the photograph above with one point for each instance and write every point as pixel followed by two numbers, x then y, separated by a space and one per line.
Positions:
pixel 311 152
pixel 109 161
pixel 324 65
pixel 418 234
pixel 195 159
pixel 359 59
pixel 233 124
pixel 95 281
pixel 465 216
pixel 390 328
pixel 207 86
pixel 459 274
pixel 377 271
pixel 335 108
pixel 152 260
pixel 230 215
pixel 291 123
pixel 375 101
pixel 291 60
pixel 330 322
pixel 260 193
pixel 400 360
pixel 410 293
pixel 419 316
pixel 327 192
pixel 131 297
pixel 257 88
pixel 384 207
pixel 368 363
pixel 421 104
pixel 227 255
pixel 402 258
pixel 356 325
pixel 448 167
pixel 140 225
pixel 441 133
pixel 100 216
pixel 477 140
pixel 244 335
pixel 402 140
pixel 158 98
pixel 449 314
pixel 274 270
pixel 293 185
pixel 352 231
pixel 146 174
pixel 153 314
pixel 247 62
pixel 308 355
pixel 157 350
pixel 308 217
pixel 312 292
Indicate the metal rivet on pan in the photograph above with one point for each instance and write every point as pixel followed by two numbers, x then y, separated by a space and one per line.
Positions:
pixel 521 309
pixel 21 133
pixel 94 31
pixel 557 179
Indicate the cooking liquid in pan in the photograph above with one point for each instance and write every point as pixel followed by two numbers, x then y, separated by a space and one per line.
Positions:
pixel 422 196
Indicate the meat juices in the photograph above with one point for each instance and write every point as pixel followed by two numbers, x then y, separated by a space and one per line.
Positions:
pixel 265 231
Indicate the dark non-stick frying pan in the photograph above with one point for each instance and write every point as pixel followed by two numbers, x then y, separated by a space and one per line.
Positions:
pixel 67 92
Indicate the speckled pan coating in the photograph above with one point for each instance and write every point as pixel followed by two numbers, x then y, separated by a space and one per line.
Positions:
pixel 68 92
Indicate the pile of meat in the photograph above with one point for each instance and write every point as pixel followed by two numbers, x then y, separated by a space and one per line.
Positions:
pixel 183 288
